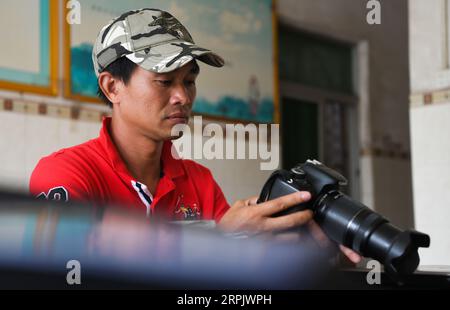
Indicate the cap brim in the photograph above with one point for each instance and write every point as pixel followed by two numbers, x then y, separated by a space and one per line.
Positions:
pixel 173 55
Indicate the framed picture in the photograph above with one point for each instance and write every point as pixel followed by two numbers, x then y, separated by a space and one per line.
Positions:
pixel 241 31
pixel 29 46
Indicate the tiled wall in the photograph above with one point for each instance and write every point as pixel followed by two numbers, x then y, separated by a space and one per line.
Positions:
pixel 30 130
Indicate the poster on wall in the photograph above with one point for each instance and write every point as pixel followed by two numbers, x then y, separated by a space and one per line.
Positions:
pixel 29 61
pixel 241 31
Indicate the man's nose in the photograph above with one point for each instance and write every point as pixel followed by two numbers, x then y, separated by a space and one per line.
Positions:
pixel 180 95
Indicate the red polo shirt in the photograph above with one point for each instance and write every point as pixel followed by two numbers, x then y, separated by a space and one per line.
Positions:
pixel 95 172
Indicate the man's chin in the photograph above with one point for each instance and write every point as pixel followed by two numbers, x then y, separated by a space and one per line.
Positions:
pixel 177 131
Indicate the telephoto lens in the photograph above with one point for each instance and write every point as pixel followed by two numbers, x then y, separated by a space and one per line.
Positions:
pixel 346 221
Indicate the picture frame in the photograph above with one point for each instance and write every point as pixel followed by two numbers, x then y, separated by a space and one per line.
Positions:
pixel 32 48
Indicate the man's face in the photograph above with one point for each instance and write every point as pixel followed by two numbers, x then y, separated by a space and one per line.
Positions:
pixel 155 102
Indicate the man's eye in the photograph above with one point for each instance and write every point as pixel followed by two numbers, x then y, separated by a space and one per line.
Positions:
pixel 190 83
pixel 164 82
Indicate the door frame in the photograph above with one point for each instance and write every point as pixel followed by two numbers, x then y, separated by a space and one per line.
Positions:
pixel 320 97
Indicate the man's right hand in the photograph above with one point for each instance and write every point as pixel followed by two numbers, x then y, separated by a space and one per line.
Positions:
pixel 248 217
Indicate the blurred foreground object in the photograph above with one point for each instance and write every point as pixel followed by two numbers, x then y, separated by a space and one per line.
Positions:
pixel 119 249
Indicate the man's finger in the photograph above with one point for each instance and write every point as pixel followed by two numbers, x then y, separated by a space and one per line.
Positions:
pixel 251 201
pixel 282 203
pixel 288 221
pixel 352 255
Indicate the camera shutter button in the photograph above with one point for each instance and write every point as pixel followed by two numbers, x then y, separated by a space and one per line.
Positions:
pixel 299 173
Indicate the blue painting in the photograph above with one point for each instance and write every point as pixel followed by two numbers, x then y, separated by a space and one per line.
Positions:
pixel 238 30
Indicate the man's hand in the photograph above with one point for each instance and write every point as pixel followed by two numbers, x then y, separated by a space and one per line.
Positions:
pixel 248 217
pixel 251 218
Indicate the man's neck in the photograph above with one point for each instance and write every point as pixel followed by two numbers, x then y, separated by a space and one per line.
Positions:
pixel 141 155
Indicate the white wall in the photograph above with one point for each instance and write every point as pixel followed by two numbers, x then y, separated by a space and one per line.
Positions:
pixel 431 170
pixel 430 126
pixel 25 138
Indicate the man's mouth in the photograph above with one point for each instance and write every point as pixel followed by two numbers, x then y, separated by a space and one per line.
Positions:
pixel 178 117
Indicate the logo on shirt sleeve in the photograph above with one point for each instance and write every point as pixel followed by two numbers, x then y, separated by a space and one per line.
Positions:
pixel 56 193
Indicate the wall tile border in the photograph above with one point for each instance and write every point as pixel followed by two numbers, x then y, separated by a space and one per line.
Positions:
pixel 51 110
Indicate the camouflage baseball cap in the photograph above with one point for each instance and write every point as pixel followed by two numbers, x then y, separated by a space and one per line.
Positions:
pixel 151 38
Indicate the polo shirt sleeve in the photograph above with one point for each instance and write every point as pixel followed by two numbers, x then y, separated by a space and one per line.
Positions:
pixel 213 195
pixel 221 204
pixel 55 179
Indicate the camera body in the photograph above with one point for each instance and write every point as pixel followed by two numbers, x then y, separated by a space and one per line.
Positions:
pixel 345 220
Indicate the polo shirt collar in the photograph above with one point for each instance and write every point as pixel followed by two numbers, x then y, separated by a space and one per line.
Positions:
pixel 171 166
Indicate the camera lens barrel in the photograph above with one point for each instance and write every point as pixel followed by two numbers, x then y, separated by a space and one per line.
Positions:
pixel 354 225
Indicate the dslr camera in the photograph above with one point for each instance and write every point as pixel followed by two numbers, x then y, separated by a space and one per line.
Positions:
pixel 346 221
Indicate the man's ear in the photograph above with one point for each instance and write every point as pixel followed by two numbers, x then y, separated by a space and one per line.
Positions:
pixel 110 86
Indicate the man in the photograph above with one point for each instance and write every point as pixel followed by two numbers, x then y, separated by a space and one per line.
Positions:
pixel 146 64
